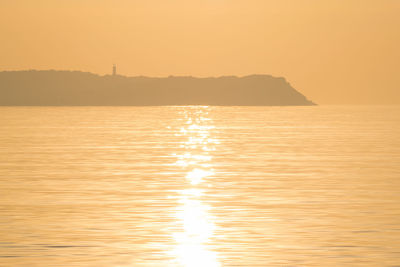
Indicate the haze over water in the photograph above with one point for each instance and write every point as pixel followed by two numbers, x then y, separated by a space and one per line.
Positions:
pixel 200 186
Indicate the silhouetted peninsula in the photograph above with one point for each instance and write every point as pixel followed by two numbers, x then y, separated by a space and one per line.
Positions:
pixel 74 88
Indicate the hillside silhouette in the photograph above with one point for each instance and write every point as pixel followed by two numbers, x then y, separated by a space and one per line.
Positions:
pixel 75 88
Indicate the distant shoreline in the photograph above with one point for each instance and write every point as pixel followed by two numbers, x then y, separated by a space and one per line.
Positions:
pixel 75 88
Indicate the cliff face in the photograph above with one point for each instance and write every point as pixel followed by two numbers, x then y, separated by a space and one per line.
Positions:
pixel 65 88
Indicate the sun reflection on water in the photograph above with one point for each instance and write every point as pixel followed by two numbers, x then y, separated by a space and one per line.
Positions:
pixel 195 177
pixel 193 241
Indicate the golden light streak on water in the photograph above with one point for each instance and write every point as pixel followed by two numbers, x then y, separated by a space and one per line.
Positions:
pixel 192 249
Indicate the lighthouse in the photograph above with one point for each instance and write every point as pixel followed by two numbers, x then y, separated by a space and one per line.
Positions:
pixel 114 73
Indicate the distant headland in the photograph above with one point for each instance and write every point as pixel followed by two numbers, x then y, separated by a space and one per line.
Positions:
pixel 75 88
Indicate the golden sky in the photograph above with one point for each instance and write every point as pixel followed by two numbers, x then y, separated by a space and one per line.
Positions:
pixel 333 51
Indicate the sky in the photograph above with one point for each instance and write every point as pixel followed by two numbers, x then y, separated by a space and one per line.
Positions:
pixel 333 51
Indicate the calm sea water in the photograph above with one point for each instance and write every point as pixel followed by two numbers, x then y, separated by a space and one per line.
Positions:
pixel 200 186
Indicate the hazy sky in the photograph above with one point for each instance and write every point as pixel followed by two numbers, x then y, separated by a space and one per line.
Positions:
pixel 333 51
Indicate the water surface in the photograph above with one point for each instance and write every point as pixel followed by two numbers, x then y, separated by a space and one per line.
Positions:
pixel 199 186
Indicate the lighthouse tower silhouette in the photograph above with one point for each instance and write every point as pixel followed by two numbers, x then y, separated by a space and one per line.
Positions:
pixel 114 73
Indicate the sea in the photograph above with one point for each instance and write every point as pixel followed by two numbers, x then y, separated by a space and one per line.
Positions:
pixel 200 186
